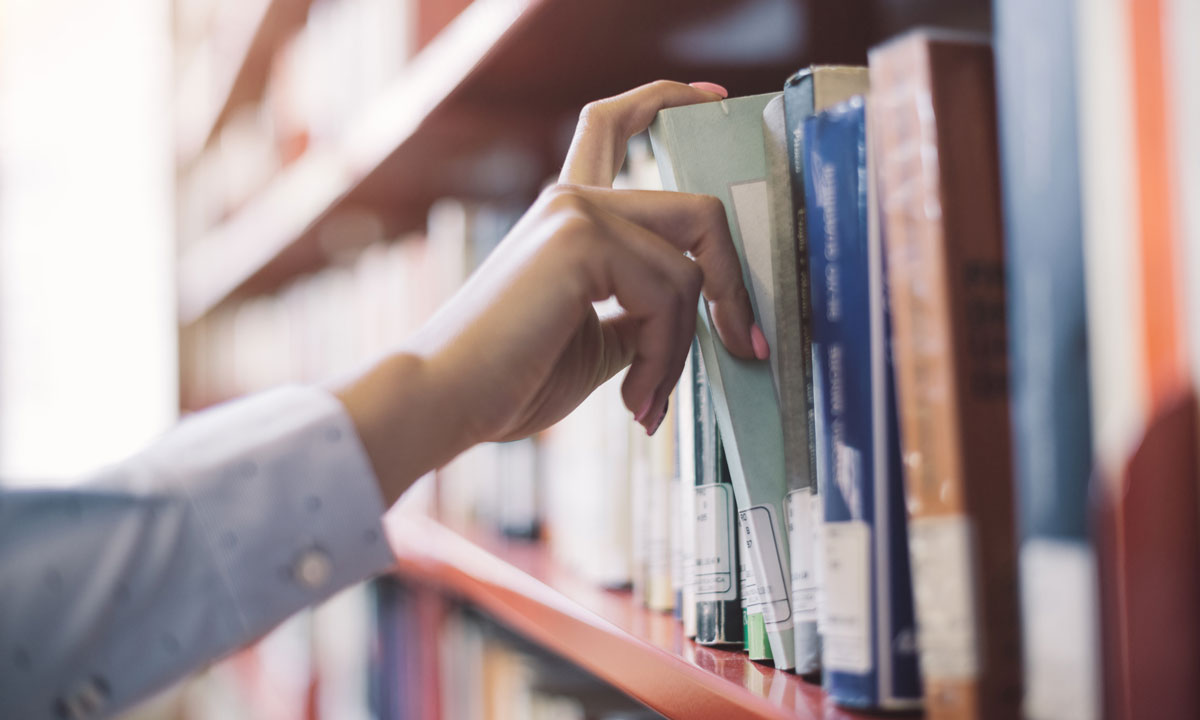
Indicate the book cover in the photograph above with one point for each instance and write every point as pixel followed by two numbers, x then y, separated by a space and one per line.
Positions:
pixel 717 149
pixel 868 643
pixel 938 177
pixel 1143 424
pixel 1048 356
pixel 716 565
pixel 808 91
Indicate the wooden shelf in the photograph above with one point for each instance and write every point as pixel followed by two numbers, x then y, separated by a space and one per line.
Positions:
pixel 485 112
pixel 640 652
pixel 245 65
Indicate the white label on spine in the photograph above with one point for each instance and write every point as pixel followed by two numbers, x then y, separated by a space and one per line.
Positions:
pixel 764 543
pixel 801 537
pixel 1058 580
pixel 847 633
pixel 944 591
pixel 818 532
pixel 675 522
pixel 714 560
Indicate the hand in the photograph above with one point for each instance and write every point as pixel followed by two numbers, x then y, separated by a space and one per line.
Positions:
pixel 520 345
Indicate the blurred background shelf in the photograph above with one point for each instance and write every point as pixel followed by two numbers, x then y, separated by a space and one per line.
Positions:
pixel 485 111
pixel 637 651
pixel 249 33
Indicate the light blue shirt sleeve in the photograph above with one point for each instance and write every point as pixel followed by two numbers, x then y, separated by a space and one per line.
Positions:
pixel 236 519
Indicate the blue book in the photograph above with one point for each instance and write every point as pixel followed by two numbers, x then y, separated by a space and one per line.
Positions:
pixel 869 637
pixel 1048 355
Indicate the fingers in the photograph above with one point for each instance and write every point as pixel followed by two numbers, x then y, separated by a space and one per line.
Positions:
pixel 659 290
pixel 605 126
pixel 696 224
pixel 653 375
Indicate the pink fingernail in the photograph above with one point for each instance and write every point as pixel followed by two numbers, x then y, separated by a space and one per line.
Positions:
pixel 641 414
pixel 711 87
pixel 759 342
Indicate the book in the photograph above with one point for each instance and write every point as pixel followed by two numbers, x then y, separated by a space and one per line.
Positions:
pixel 716 565
pixel 755 641
pixel 1143 424
pixel 1182 17
pixel 1048 357
pixel 808 91
pixel 684 504
pixel 938 177
pixel 789 367
pixel 660 510
pixel 717 149
pixel 868 643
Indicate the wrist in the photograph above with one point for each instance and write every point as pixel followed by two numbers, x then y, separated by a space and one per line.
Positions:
pixel 406 418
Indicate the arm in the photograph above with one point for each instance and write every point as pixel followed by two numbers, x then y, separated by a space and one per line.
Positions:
pixel 249 512
pixel 230 523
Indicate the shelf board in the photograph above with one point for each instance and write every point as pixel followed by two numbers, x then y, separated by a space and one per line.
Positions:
pixel 640 652
pixel 481 113
pixel 245 65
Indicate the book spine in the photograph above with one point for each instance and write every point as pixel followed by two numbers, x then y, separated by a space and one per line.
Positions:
pixel 866 584
pixel 946 279
pixel 804 506
pixel 716 573
pixel 1048 356
pixel 660 585
pixel 790 365
pixel 687 474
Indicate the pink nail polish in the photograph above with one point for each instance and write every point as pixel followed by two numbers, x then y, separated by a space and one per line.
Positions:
pixel 759 342
pixel 711 87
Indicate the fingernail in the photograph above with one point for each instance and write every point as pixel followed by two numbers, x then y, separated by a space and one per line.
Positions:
pixel 711 87
pixel 641 414
pixel 661 416
pixel 759 342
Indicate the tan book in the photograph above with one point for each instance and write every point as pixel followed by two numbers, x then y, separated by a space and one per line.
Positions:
pixel 934 126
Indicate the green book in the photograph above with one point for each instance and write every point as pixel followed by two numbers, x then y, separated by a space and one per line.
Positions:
pixel 717 149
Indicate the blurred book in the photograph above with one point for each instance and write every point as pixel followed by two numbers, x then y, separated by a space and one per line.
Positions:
pixel 1048 356
pixel 945 261
pixel 1143 400
pixel 808 91
pixel 868 653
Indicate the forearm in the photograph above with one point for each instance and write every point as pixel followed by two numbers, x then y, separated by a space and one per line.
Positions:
pixel 219 531
pixel 407 418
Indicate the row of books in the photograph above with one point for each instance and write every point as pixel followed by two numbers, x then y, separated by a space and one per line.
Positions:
pixel 437 659
pixel 329 323
pixel 967 479
pixel 319 81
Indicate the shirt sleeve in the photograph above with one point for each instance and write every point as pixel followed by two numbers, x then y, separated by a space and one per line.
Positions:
pixel 230 523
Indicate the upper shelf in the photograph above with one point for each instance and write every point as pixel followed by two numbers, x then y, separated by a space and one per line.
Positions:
pixel 638 651
pixel 241 75
pixel 485 111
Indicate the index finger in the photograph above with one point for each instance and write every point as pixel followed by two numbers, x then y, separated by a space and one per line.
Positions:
pixel 605 126
pixel 696 224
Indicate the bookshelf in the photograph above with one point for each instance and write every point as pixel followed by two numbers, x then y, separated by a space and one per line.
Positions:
pixel 255 28
pixel 638 651
pixel 479 113
pixel 484 112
